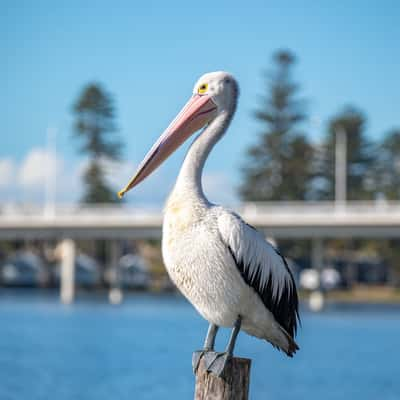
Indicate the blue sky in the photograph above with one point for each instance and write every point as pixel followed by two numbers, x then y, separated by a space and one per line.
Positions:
pixel 149 54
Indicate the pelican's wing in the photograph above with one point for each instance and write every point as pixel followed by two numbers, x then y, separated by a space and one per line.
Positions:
pixel 263 268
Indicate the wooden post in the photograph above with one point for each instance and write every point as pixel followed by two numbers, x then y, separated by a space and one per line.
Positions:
pixel 235 385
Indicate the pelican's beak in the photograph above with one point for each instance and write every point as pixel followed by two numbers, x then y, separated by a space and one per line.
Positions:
pixel 198 111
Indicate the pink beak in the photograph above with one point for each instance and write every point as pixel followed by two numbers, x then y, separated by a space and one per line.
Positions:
pixel 198 111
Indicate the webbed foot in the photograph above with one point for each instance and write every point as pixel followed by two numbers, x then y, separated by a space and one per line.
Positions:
pixel 214 362
pixel 196 359
pixel 209 357
pixel 218 363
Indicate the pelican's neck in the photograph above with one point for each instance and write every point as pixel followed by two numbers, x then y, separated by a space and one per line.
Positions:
pixel 189 180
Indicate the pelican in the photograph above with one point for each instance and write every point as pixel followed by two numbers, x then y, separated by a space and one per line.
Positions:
pixel 223 266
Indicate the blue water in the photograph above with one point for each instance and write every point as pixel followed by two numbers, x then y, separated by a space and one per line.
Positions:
pixel 142 350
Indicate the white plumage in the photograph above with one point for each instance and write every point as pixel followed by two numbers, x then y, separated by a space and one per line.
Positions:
pixel 202 246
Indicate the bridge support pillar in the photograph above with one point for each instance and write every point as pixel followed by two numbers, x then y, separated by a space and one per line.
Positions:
pixel 67 276
pixel 317 299
pixel 317 254
pixel 115 293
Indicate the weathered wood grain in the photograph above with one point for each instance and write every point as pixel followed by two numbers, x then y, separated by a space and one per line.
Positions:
pixel 234 386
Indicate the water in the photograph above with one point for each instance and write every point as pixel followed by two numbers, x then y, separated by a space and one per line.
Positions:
pixel 142 350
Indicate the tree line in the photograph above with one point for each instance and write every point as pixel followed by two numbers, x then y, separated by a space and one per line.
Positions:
pixel 284 164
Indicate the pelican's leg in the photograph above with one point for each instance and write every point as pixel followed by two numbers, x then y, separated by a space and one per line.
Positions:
pixel 220 361
pixel 210 338
pixel 208 346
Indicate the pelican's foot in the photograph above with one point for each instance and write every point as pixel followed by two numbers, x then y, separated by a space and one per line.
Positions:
pixel 217 363
pixel 196 359
pixel 209 357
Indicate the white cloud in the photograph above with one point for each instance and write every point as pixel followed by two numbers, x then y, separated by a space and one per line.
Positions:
pixel 28 180
pixel 7 171
pixel 25 181
pixel 38 166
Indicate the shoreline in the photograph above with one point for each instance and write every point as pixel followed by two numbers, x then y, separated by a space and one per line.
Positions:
pixel 357 295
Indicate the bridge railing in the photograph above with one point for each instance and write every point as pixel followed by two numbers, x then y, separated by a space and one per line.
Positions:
pixel 62 210
pixel 378 207
pixel 247 208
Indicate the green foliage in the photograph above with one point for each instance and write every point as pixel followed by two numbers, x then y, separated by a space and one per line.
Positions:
pixel 388 168
pixel 361 158
pixel 95 127
pixel 97 190
pixel 279 166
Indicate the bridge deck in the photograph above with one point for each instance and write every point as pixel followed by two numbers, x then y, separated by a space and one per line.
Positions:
pixel 280 220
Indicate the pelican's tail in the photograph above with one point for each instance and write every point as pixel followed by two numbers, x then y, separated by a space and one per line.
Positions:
pixel 291 346
pixel 283 341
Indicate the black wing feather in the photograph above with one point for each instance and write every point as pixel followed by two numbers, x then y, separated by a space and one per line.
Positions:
pixel 285 308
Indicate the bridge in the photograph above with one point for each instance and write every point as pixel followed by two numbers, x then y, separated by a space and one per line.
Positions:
pixel 308 220
pixel 379 219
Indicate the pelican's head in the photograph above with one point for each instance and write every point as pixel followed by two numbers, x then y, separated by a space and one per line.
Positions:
pixel 213 93
pixel 220 86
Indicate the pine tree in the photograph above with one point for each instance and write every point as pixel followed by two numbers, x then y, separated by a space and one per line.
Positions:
pixel 279 166
pixel 360 160
pixel 95 126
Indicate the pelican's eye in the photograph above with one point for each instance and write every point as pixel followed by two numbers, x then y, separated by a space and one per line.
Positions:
pixel 202 88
